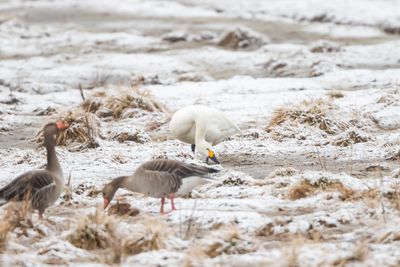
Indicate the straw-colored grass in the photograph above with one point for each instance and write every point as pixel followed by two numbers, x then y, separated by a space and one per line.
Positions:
pixel 83 128
pixel 123 209
pixel 306 188
pixel 350 137
pixel 311 112
pixel 17 214
pixel 94 231
pixel 313 120
pixel 152 238
pixel 227 240
pixel 105 104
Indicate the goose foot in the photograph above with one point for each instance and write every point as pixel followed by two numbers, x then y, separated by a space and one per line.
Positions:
pixel 193 147
pixel 171 197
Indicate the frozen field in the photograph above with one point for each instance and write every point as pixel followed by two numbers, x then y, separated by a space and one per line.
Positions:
pixel 312 180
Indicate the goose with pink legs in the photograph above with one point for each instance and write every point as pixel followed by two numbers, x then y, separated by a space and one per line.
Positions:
pixel 161 178
pixel 41 188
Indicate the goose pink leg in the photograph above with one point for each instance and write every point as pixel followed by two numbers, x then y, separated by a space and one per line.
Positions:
pixel 162 205
pixel 171 196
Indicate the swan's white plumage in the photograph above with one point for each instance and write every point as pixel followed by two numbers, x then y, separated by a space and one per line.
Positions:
pixel 196 124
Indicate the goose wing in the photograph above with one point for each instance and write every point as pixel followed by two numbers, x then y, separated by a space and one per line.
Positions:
pixel 35 185
pixel 159 178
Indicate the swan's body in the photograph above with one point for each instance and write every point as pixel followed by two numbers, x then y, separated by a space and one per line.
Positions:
pixel 202 127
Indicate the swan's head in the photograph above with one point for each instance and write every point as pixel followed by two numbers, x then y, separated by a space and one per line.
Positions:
pixel 204 149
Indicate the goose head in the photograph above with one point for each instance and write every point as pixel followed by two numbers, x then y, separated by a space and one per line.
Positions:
pixel 112 187
pixel 108 193
pixel 53 128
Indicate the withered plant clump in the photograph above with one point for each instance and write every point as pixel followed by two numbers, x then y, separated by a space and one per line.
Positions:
pixel 83 128
pixel 307 188
pixel 241 38
pixel 390 98
pixel 17 214
pixel 309 120
pixel 335 94
pixel 227 241
pixel 92 104
pixel 94 232
pixel 152 238
pixel 114 105
pixel 122 209
pixel 137 137
pixel 311 112
pixel 136 100
pixel 350 137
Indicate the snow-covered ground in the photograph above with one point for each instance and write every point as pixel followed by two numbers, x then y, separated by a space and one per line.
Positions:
pixel 312 180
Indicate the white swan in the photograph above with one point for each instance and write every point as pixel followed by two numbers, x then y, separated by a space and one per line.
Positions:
pixel 202 127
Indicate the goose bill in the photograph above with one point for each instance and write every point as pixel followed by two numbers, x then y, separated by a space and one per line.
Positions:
pixel 106 202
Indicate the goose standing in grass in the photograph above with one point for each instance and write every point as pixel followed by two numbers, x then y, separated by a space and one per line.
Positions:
pixel 160 178
pixel 202 127
pixel 41 187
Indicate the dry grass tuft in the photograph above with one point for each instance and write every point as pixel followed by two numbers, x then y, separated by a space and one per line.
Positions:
pixel 94 232
pixel 241 38
pixel 325 47
pixel 84 129
pixel 359 254
pixel 135 99
pixel 228 241
pixel 122 209
pixel 105 105
pixel 307 188
pixel 350 137
pixel 335 94
pixel 390 98
pixel 266 230
pixel 301 190
pixel 17 214
pixel 283 171
pixel 92 104
pixel 137 137
pixel 152 239
pixel 310 112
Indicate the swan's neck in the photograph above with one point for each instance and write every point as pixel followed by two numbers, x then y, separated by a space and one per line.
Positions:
pixel 200 134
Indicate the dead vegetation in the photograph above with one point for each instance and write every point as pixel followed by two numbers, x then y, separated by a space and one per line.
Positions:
pixel 335 94
pixel 125 99
pixel 122 209
pixel 311 112
pixel 390 98
pixel 350 137
pixel 95 231
pixel 313 116
pixel 152 238
pixel 16 214
pixel 135 135
pixel 359 254
pixel 306 188
pixel 325 47
pixel 227 241
pixel 242 38
pixel 84 128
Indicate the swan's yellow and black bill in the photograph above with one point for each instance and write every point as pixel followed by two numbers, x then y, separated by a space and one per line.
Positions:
pixel 211 155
